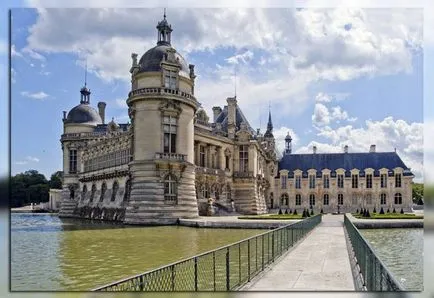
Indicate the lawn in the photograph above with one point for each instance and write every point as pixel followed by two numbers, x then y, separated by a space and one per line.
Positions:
pixel 272 216
pixel 389 216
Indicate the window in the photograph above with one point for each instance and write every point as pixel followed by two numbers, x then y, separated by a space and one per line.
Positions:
pixel 284 180
pixel 398 180
pixel 298 182
pixel 84 192
pixel 227 162
pixel 170 79
pixel 244 158
pixel 170 190
pixel 115 188
pixel 284 199
pixel 298 199
pixel 369 181
pixel 72 161
pixel 340 181
pixel 202 156
pixel 103 189
pixel 326 181
pixel 311 181
pixel 127 190
pixel 383 199
pixel 312 200
pixel 92 193
pixel 326 199
pixel 169 128
pixel 368 199
pixel 398 199
pixel 355 181
pixel 383 180
pixel 340 199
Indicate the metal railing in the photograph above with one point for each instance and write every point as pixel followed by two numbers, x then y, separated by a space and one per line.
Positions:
pixel 224 269
pixel 375 275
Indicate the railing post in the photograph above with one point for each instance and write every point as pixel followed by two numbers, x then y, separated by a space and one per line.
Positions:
pixel 256 253
pixel 239 262
pixel 248 259
pixel 263 252
pixel 141 286
pixel 195 274
pixel 227 270
pixel 213 263
pixel 173 278
pixel 272 246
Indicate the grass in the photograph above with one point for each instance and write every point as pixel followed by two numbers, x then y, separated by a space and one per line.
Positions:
pixel 389 216
pixel 272 216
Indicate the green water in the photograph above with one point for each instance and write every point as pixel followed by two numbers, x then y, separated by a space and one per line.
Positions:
pixel 48 253
pixel 401 250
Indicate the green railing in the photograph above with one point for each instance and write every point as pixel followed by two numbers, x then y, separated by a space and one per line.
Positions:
pixel 375 275
pixel 223 269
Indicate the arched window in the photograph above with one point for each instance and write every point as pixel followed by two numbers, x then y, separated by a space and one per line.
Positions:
pixel 340 199
pixel 127 190
pixel 398 198
pixel 312 200
pixel 103 189
pixel 326 199
pixel 297 199
pixel 84 192
pixel 115 188
pixel 170 189
pixel 284 198
pixel 92 193
pixel 383 199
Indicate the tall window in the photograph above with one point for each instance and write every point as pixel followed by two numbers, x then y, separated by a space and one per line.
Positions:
pixel 398 180
pixel 169 127
pixel 383 199
pixel 311 181
pixel 72 161
pixel 170 190
pixel 127 190
pixel 312 200
pixel 298 199
pixel 284 199
pixel 340 199
pixel 244 158
pixel 92 192
pixel 84 192
pixel 326 181
pixel 227 162
pixel 202 156
pixel 383 180
pixel 298 182
pixel 355 181
pixel 398 199
pixel 340 181
pixel 369 181
pixel 326 199
pixel 284 180
pixel 115 188
pixel 170 79
pixel 103 189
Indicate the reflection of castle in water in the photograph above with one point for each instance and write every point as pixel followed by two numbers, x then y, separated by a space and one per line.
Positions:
pixel 171 159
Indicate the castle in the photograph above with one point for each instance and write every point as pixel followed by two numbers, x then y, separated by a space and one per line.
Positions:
pixel 171 161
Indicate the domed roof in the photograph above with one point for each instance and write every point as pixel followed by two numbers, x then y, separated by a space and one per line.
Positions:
pixel 83 114
pixel 150 61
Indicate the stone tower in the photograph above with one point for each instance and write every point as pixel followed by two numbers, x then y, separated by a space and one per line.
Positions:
pixel 161 108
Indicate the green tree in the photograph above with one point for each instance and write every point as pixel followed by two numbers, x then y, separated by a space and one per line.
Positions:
pixel 56 180
pixel 28 187
pixel 417 192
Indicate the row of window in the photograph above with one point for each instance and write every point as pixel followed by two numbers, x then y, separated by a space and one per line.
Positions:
pixel 115 188
pixel 340 181
pixel 243 158
pixel 284 199
pixel 108 160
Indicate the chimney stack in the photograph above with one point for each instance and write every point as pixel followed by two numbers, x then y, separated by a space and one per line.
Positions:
pixel 372 149
pixel 314 149
pixel 346 149
pixel 232 106
pixel 216 111
pixel 101 110
pixel 64 115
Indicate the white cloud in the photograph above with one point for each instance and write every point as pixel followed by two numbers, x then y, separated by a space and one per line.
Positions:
pixel 33 54
pixel 321 115
pixel 328 97
pixel 14 52
pixel 27 160
pixel 244 57
pixel 323 97
pixel 37 95
pixel 121 103
pixel 280 135
pixel 31 158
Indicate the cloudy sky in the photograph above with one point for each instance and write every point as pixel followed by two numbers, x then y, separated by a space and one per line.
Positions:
pixel 332 77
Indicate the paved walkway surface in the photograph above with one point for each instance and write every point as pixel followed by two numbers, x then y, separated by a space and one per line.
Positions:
pixel 234 222
pixel 366 223
pixel 319 263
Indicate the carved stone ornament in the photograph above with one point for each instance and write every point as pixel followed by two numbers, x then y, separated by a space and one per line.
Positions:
pixel 170 106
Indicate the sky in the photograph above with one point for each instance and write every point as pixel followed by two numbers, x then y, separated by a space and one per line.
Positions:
pixel 331 77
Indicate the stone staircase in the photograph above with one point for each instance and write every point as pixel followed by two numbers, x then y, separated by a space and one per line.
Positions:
pixel 67 208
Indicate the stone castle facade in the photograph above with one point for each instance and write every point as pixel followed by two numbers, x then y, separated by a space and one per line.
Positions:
pixel 171 161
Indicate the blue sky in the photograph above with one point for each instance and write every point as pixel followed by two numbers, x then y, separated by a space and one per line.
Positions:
pixel 324 84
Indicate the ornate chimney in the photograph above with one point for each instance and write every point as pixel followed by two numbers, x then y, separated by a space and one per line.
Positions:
pixel 101 110
pixel 372 149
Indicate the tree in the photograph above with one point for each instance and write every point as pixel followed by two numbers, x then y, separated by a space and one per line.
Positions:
pixel 280 211
pixel 28 187
pixel 381 210
pixel 417 192
pixel 56 180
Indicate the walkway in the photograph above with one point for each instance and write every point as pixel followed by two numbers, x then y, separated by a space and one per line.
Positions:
pixel 319 263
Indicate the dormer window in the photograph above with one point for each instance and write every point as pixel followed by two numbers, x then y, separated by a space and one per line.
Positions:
pixel 170 77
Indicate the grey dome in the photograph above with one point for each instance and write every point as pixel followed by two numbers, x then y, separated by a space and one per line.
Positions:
pixel 83 114
pixel 150 61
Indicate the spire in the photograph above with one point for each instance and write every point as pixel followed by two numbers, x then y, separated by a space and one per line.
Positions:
pixel 85 93
pixel 269 132
pixel 288 145
pixel 164 31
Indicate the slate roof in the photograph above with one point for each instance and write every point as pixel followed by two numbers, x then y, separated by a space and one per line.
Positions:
pixel 83 114
pixel 103 127
pixel 239 118
pixel 347 161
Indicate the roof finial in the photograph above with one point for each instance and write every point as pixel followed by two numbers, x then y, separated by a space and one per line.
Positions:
pixel 164 15
pixel 85 74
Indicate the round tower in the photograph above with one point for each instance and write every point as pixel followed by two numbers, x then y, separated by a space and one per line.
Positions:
pixel 161 108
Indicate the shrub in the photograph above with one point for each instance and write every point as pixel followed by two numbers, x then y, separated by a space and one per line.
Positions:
pixel 374 211
pixel 381 210
pixel 290 211
pixel 357 211
pixel 368 214
pixel 402 211
pixel 388 211
pixel 280 211
pixel 295 212
pixel 286 211
pixel 311 212
pixel 362 211
pixel 322 211
pixel 307 213
pixel 394 211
